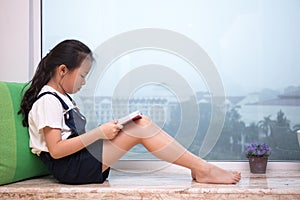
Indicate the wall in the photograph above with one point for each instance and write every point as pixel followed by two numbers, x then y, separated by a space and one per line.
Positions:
pixel 20 39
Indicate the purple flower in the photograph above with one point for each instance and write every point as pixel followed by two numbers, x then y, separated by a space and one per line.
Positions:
pixel 256 149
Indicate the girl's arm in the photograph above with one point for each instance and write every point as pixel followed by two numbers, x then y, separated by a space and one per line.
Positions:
pixel 59 148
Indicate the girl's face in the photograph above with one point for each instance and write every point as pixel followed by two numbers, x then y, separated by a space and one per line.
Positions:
pixel 75 79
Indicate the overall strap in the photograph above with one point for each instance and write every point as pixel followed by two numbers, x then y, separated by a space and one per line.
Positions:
pixel 71 99
pixel 73 118
pixel 65 106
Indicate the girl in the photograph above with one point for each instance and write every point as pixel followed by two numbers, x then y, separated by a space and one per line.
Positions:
pixel 74 156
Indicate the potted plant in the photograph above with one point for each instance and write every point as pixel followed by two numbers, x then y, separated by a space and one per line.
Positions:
pixel 258 154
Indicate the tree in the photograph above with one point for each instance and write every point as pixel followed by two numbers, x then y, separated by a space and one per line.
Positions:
pixel 282 121
pixel 296 127
pixel 283 140
pixel 266 125
pixel 231 138
pixel 251 132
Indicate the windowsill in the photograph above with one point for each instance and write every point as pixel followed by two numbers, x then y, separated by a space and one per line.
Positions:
pixel 160 180
pixel 148 165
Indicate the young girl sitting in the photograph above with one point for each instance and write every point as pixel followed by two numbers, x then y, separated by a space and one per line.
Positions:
pixel 74 156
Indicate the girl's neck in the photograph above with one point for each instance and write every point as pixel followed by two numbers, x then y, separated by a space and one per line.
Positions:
pixel 55 85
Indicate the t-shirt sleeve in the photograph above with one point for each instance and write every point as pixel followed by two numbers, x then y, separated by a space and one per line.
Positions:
pixel 48 112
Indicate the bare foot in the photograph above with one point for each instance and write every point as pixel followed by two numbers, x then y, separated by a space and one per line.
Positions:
pixel 209 173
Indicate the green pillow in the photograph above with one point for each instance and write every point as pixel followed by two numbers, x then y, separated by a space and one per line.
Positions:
pixel 16 160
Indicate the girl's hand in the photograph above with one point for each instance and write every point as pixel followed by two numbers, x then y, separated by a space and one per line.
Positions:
pixel 110 130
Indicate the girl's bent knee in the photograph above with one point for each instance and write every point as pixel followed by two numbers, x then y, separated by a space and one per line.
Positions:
pixel 144 121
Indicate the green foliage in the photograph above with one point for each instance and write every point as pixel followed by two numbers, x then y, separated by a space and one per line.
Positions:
pixel 276 133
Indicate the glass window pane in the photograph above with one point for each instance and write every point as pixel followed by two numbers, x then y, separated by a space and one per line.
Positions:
pixel 216 75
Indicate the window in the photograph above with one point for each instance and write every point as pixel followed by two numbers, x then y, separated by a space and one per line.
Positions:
pixel 216 75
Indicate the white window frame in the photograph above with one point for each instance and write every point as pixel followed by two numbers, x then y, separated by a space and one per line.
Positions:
pixel 35 35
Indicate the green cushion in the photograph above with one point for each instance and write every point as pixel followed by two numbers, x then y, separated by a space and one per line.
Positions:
pixel 16 160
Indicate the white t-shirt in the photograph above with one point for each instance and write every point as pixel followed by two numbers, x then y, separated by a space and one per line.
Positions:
pixel 47 111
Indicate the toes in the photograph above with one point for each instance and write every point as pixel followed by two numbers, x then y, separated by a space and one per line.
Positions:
pixel 236 176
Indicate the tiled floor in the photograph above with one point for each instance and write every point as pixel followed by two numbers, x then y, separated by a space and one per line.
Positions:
pixel 167 182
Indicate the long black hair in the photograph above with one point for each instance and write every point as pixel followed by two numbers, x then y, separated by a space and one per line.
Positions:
pixel 68 52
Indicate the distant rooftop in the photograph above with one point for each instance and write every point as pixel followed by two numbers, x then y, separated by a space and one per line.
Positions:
pixel 287 99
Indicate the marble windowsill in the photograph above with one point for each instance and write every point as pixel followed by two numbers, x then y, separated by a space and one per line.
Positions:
pixel 159 180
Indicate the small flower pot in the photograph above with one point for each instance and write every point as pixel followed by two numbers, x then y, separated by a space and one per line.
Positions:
pixel 258 165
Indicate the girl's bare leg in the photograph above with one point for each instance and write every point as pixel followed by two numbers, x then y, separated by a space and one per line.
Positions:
pixel 165 148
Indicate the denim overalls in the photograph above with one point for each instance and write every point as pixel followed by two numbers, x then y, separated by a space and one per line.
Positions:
pixel 73 118
pixel 82 167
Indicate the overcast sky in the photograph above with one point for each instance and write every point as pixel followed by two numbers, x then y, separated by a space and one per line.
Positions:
pixel 254 44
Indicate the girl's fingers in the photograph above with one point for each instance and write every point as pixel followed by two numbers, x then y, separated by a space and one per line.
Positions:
pixel 119 126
